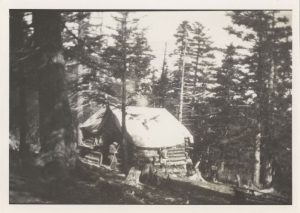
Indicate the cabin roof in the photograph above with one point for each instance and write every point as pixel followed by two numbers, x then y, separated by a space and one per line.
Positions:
pixel 148 127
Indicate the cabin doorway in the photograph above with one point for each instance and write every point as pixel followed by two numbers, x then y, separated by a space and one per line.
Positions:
pixel 111 150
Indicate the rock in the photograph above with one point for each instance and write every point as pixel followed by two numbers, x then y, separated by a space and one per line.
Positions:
pixel 193 177
pixel 133 177
pixel 173 176
pixel 170 199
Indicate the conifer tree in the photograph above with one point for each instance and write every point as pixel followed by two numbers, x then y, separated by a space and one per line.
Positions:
pixel 200 78
pixel 161 86
pixel 227 93
pixel 182 52
pixel 267 33
pixel 18 77
pixel 128 59
pixel 56 129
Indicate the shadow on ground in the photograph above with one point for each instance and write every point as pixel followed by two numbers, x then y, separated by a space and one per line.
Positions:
pixel 87 185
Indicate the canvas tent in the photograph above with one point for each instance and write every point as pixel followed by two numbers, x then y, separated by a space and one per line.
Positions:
pixel 148 129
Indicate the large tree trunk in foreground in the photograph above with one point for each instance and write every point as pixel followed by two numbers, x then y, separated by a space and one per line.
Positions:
pixel 16 44
pixel 56 132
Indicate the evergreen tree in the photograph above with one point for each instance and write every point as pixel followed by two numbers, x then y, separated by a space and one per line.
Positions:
pixel 200 78
pixel 83 40
pixel 84 45
pixel 162 85
pixel 227 94
pixel 128 59
pixel 23 85
pixel 182 52
pixel 266 34
pixel 17 76
pixel 195 54
pixel 90 84
pixel 55 122
pixel 201 53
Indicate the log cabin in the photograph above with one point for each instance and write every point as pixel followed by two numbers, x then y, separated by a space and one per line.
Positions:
pixel 149 132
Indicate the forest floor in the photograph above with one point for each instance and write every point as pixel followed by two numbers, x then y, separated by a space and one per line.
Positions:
pixel 102 186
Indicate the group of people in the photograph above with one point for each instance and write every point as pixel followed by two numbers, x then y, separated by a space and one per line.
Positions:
pixel 148 173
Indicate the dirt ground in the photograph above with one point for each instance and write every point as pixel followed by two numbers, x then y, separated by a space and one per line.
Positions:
pixel 102 186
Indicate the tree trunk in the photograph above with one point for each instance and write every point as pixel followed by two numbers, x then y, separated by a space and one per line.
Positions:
pixel 195 72
pixel 162 78
pixel 56 132
pixel 80 105
pixel 124 141
pixel 80 98
pixel 257 161
pixel 267 109
pixel 260 124
pixel 182 84
pixel 16 44
pixel 23 115
pixel 124 131
pixel 268 155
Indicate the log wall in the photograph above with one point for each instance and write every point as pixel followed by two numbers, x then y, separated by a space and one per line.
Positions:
pixel 175 156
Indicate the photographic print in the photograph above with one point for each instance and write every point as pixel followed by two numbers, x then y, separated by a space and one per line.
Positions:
pixel 150 107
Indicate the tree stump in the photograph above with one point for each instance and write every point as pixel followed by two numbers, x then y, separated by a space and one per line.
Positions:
pixel 133 176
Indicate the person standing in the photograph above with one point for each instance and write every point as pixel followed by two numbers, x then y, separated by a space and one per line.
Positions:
pixel 147 172
pixel 189 165
pixel 214 172
pixel 112 152
pixel 163 157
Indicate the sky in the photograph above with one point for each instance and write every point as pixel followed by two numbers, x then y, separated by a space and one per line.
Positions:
pixel 161 27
